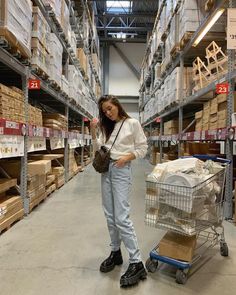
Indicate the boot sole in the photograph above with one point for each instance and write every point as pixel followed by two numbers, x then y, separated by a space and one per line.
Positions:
pixel 109 268
pixel 141 275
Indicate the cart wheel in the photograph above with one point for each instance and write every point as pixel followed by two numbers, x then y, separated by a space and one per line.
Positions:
pixel 151 265
pixel 180 277
pixel 224 250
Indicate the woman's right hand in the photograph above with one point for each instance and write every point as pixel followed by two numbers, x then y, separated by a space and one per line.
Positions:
pixel 94 123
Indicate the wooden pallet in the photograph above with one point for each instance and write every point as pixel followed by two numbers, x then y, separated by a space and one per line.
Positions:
pixel 37 201
pixel 175 50
pixel 6 224
pixel 50 189
pixel 14 49
pixel 185 39
pixel 39 72
pixel 54 85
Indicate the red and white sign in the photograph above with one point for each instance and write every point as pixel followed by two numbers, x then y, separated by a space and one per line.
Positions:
pixel 34 84
pixel 222 88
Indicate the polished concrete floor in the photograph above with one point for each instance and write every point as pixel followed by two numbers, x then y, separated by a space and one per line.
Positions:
pixel 58 248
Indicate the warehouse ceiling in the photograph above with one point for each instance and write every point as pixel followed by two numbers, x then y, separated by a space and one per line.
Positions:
pixel 124 21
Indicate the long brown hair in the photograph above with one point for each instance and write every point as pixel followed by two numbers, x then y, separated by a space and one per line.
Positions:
pixel 107 125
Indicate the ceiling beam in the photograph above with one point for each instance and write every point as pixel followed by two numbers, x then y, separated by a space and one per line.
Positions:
pixel 118 29
pixel 135 14
pixel 120 40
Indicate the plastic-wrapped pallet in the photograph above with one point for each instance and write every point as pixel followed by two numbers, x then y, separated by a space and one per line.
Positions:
pixel 56 51
pixel 40 42
pixel 15 24
pixel 64 85
pixel 65 18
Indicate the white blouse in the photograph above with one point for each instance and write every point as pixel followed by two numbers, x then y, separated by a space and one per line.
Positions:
pixel 131 139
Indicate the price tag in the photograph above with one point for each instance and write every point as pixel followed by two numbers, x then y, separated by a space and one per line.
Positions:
pixel 222 88
pixel 11 146
pixel 231 29
pixel 57 143
pixel 36 144
pixel 73 143
pixel 34 84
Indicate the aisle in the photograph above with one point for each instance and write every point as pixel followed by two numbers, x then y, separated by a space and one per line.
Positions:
pixel 58 248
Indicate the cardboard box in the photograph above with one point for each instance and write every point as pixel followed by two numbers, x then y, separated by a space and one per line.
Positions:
pixel 177 246
pixel 198 115
pixel 222 115
pixel 6 184
pixel 221 123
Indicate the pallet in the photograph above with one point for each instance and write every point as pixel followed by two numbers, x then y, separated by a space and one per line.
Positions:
pixel 14 50
pixel 54 85
pixel 50 189
pixel 37 202
pixel 185 39
pixel 6 224
pixel 175 51
pixel 39 72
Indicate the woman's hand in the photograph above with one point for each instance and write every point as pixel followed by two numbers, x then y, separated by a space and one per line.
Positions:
pixel 94 123
pixel 123 160
pixel 93 126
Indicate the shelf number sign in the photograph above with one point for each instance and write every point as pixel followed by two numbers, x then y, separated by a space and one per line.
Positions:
pixel 222 88
pixel 34 84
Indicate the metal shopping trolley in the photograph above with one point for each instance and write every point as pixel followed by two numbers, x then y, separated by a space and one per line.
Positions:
pixel 190 211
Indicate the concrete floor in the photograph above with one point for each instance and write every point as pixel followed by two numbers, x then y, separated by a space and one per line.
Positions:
pixel 58 248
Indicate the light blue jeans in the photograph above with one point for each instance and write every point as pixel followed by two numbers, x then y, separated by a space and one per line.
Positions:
pixel 116 187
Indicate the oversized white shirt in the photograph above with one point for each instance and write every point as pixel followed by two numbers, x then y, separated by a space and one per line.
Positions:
pixel 131 139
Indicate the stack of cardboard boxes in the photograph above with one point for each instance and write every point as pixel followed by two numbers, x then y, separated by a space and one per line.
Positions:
pixel 12 105
pixel 55 121
pixel 214 114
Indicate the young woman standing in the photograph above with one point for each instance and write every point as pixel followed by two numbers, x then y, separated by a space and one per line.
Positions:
pixel 130 144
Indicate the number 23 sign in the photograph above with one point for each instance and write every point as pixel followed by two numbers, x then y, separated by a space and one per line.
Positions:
pixel 34 84
pixel 222 88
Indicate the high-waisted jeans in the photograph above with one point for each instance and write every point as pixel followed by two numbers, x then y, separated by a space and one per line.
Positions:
pixel 116 186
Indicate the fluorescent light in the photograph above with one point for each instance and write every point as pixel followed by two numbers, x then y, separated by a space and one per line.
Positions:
pixel 208 25
pixel 125 4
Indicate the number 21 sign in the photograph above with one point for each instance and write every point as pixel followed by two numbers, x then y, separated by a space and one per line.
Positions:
pixel 222 88
pixel 34 84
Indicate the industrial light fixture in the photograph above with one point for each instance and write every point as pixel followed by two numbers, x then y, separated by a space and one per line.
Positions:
pixel 208 25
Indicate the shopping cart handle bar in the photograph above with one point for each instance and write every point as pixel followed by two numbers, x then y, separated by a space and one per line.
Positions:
pixel 217 159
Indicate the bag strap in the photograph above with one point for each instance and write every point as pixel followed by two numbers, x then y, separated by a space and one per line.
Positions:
pixel 117 134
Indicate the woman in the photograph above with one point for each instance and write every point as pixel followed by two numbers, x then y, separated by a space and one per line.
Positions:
pixel 130 144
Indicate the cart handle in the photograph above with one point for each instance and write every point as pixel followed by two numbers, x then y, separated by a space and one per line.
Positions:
pixel 217 159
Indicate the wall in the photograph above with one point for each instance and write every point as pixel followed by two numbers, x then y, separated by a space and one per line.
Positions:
pixel 131 109
pixel 122 80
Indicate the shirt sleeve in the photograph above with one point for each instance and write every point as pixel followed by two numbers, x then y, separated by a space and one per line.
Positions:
pixel 98 142
pixel 140 141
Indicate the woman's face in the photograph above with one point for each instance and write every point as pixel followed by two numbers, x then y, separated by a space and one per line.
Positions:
pixel 110 110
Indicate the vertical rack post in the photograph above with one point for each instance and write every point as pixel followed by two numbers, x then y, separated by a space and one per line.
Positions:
pixel 66 149
pixel 180 96
pixel 160 141
pixel 82 148
pixel 24 159
pixel 228 207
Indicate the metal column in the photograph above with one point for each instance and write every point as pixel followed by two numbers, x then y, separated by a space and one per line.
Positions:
pixel 105 63
pixel 66 149
pixel 24 159
pixel 82 148
pixel 181 74
pixel 160 141
pixel 228 208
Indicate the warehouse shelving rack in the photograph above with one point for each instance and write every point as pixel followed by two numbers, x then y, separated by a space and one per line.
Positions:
pixel 19 72
pixel 228 134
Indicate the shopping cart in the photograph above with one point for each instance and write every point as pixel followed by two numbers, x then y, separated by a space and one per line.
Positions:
pixel 195 210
